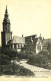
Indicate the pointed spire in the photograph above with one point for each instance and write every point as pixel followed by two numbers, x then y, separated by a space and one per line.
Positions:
pixel 6 19
pixel 6 13
pixel 6 9
pixel 6 22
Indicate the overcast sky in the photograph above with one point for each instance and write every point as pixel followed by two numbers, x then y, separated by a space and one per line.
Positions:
pixel 27 17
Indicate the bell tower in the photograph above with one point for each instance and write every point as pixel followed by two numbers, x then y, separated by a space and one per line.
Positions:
pixel 6 35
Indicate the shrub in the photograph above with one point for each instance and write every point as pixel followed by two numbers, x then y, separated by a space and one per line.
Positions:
pixel 4 59
pixel 44 52
pixel 40 60
pixel 24 55
pixel 10 52
pixel 18 70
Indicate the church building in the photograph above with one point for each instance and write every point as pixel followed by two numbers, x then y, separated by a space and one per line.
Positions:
pixel 28 43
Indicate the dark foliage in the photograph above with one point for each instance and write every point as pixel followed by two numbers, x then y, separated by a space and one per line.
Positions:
pixel 43 59
pixel 17 70
pixel 4 59
pixel 10 52
pixel 24 55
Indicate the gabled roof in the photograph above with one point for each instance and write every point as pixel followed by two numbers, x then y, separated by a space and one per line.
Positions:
pixel 17 39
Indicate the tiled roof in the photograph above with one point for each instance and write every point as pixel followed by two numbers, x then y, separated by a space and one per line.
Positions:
pixel 17 39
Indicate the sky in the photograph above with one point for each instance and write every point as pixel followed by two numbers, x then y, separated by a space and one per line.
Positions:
pixel 27 17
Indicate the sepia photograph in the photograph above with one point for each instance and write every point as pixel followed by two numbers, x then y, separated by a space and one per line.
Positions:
pixel 25 40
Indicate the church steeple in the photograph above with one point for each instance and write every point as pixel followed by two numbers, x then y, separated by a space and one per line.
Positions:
pixel 6 22
pixel 6 34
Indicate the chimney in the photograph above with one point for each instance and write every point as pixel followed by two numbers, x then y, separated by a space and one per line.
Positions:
pixel 22 35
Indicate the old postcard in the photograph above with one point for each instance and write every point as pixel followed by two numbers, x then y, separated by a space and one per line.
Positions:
pixel 25 40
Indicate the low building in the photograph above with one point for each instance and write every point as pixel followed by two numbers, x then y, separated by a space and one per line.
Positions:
pixel 17 43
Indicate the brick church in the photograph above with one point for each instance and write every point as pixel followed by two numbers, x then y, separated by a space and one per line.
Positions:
pixel 28 43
